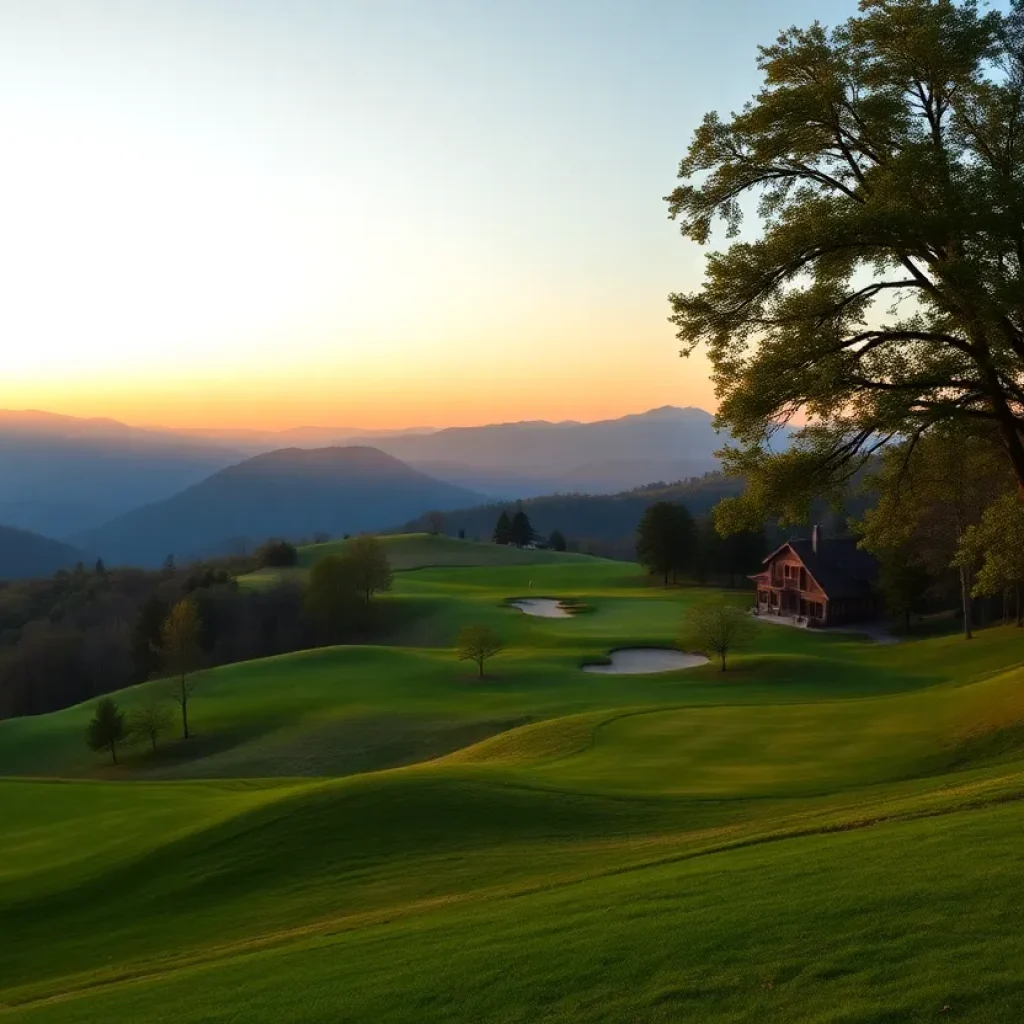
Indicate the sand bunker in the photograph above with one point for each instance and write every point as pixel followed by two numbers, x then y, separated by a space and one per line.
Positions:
pixel 634 661
pixel 544 607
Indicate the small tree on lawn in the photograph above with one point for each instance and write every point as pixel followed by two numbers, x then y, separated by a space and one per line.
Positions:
pixel 477 644
pixel 149 722
pixel 715 627
pixel 503 529
pixel 180 653
pixel 107 727
pixel 557 541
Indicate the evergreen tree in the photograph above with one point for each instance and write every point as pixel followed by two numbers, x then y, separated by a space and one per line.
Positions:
pixel 522 529
pixel 557 541
pixel 107 727
pixel 903 581
pixel 503 529
pixel 665 540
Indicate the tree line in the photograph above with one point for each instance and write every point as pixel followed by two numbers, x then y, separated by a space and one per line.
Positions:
pixel 90 631
pixel 671 544
pixel 948 526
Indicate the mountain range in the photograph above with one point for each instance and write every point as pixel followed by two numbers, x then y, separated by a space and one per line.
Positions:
pixel 64 476
pixel 293 492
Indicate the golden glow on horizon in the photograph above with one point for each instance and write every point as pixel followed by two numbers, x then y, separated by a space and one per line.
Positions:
pixel 185 245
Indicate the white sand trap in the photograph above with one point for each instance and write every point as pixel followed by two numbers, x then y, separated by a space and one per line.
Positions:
pixel 635 661
pixel 543 607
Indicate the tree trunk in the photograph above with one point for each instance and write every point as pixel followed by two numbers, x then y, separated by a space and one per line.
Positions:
pixel 1006 605
pixel 965 600
pixel 113 752
pixel 480 666
pixel 1017 607
pixel 152 739
pixel 184 710
pixel 723 662
pixel 906 620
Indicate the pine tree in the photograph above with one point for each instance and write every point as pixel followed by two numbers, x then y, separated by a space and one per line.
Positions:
pixel 503 529
pixel 665 540
pixel 522 529
pixel 107 727
pixel 557 541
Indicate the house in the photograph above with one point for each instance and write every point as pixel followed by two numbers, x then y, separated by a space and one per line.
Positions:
pixel 824 581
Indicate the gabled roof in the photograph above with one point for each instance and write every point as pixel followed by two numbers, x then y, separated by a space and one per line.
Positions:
pixel 839 567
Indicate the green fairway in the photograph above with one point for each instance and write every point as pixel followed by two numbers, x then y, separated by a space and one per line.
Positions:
pixel 827 832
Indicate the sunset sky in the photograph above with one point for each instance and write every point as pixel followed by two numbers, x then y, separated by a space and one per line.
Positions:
pixel 379 213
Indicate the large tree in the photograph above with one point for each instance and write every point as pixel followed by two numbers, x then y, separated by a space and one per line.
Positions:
pixel 998 543
pixel 522 529
pixel 333 596
pixel 665 540
pixel 884 291
pixel 503 529
pixel 368 562
pixel 930 493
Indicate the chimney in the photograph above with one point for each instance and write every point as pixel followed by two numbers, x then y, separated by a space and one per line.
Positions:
pixel 815 532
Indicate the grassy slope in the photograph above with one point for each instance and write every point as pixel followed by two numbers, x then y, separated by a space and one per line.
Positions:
pixel 617 857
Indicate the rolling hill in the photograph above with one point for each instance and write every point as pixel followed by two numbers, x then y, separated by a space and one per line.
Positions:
pixel 25 555
pixel 293 492
pixel 828 832
pixel 61 475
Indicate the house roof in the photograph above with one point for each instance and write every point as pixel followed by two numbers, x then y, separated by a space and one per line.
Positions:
pixel 840 568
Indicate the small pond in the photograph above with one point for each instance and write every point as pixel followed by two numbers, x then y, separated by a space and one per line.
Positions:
pixel 635 661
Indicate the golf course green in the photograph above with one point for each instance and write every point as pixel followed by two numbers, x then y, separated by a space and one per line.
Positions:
pixel 830 831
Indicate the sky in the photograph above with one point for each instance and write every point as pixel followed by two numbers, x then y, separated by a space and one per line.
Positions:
pixel 373 213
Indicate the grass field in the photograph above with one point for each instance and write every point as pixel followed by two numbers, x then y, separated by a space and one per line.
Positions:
pixel 830 831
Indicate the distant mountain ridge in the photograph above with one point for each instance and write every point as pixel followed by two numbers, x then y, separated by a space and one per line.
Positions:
pixel 292 492
pixel 63 476
pixel 25 555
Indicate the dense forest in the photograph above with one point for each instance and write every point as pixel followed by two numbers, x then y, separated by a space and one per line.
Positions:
pixel 601 524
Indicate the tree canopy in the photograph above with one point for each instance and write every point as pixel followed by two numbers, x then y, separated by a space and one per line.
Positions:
pixel 715 627
pixel 477 644
pixel 884 292
pixel 107 727
pixel 665 539
pixel 368 562
pixel 503 529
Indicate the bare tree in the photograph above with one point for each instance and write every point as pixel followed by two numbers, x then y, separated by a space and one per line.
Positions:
pixel 149 721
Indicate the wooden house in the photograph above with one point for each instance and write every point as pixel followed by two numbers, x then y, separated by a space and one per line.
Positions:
pixel 823 581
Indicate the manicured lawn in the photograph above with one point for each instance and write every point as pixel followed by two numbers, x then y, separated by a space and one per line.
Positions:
pixel 830 831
